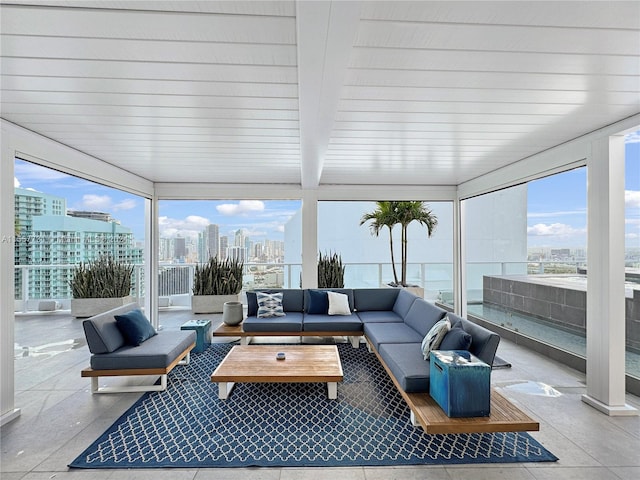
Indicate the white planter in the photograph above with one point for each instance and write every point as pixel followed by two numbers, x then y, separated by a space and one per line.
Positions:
pixel 88 307
pixel 211 303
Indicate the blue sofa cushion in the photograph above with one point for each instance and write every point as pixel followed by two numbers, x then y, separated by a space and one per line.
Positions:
pixel 456 339
pixel 292 322
pixel 332 323
pixel 406 363
pixel 374 299
pixel 135 327
pixel 375 316
pixel 292 300
pixel 403 302
pixel 102 334
pixel 318 303
pixel 378 333
pixel 422 316
pixel 158 351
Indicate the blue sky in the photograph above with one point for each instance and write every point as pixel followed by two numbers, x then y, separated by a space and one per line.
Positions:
pixel 556 206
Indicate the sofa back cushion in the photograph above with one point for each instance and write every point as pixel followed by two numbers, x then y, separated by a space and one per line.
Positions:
pixel 102 332
pixel 403 302
pixel 423 315
pixel 375 299
pixel 292 300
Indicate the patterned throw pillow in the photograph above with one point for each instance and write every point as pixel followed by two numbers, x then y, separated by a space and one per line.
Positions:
pixel 434 336
pixel 269 305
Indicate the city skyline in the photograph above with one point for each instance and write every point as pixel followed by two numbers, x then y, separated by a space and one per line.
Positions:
pixel 556 210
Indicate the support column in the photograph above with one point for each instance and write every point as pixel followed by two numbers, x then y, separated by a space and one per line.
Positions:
pixel 8 411
pixel 309 239
pixel 151 258
pixel 605 278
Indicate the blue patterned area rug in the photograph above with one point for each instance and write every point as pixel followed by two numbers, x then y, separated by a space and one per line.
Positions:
pixel 288 425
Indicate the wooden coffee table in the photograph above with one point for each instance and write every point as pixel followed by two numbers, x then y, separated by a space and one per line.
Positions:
pixel 258 364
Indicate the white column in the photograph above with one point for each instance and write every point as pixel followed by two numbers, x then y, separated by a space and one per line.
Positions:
pixel 151 256
pixel 605 278
pixel 8 411
pixel 459 260
pixel 309 239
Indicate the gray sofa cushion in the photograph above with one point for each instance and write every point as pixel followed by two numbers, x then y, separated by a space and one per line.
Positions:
pixel 291 322
pixel 403 302
pixel 484 343
pixel 378 333
pixel 407 365
pixel 102 332
pixel 374 299
pixel 422 316
pixel 375 316
pixel 157 352
pixel 332 323
pixel 292 300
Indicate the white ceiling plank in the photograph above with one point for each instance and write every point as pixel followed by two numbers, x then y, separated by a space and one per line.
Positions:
pixel 149 25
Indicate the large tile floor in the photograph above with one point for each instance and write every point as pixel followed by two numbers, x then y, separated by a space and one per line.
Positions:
pixel 60 418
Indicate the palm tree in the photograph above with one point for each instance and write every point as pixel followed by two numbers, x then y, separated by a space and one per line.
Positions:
pixel 383 216
pixel 408 212
pixel 388 214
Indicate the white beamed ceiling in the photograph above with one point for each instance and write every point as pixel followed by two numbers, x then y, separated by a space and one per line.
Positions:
pixel 313 93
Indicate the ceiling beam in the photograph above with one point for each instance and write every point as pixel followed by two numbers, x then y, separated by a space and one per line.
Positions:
pixel 326 33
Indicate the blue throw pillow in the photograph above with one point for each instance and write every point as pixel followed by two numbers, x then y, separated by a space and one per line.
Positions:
pixel 135 327
pixel 456 339
pixel 318 302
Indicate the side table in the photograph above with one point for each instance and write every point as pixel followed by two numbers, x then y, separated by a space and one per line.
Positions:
pixel 203 336
pixel 460 383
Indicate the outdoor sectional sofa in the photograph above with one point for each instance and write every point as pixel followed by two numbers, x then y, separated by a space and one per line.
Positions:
pixel 113 354
pixel 393 321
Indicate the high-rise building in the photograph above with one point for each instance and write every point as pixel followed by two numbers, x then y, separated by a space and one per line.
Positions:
pixel 224 245
pixel 179 249
pixel 46 237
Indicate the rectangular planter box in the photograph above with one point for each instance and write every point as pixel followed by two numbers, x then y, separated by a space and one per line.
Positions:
pixel 88 307
pixel 211 303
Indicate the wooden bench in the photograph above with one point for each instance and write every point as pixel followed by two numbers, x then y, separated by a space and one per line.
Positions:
pixel 425 412
pixel 182 359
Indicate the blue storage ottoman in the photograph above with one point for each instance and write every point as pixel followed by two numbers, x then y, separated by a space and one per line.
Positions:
pixel 460 383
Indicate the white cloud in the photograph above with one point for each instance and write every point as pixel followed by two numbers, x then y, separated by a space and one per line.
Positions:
pixel 632 199
pixel 188 227
pixel 16 182
pixel 633 137
pixel 554 229
pixel 243 207
pixel 96 202
pixel 126 204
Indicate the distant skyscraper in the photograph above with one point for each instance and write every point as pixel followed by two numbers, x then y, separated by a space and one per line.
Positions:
pixel 224 245
pixel 212 241
pixel 179 249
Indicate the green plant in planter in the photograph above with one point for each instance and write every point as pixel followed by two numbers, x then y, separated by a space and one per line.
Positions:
pixel 330 271
pixel 102 278
pixel 218 277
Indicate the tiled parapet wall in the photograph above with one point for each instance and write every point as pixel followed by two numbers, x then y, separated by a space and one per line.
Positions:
pixel 560 300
